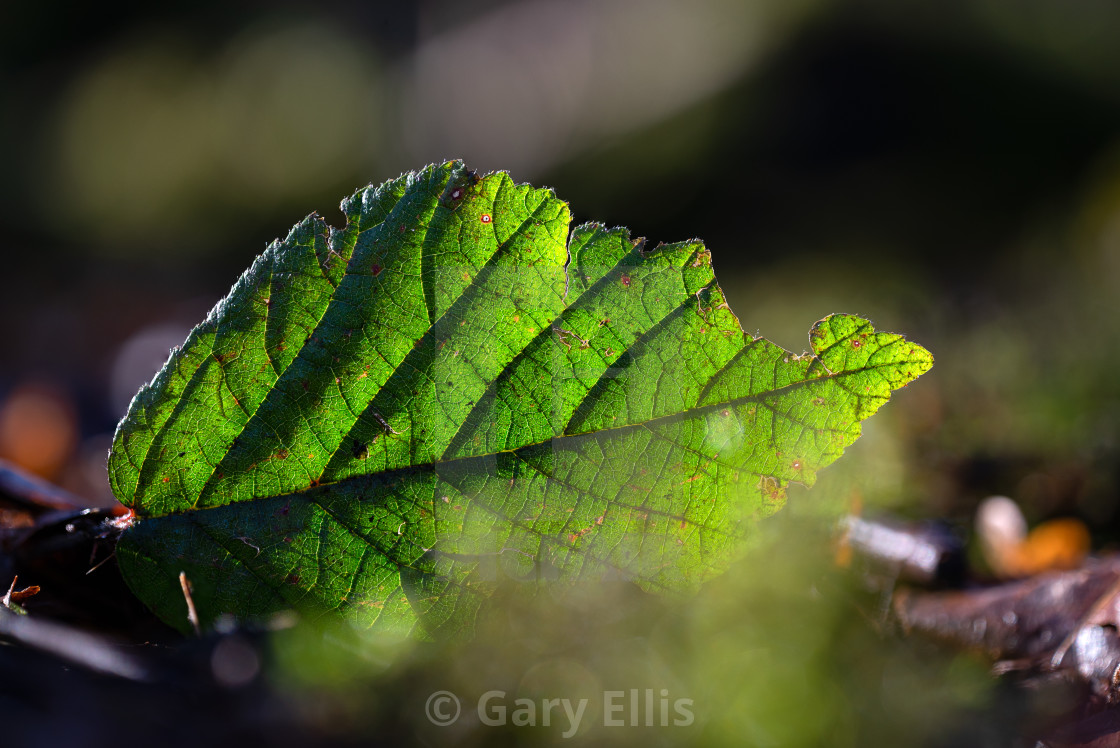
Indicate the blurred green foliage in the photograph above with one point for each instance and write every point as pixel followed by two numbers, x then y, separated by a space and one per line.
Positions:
pixel 773 653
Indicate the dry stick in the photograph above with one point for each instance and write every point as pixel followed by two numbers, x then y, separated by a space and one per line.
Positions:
pixel 99 564
pixel 192 614
pixel 71 644
pixel 33 493
pixel 1098 606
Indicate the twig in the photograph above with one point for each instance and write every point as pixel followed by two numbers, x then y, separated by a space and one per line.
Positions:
pixel 192 614
pixel 77 646
pixel 1101 603
pixel 99 564
pixel 33 493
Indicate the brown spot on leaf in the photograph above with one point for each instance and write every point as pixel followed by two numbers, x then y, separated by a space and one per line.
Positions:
pixel 771 489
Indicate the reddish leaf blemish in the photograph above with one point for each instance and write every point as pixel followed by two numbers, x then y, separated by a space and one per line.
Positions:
pixel 485 218
pixel 771 488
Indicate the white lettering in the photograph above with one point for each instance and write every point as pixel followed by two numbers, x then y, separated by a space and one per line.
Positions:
pixel 683 708
pixel 610 708
pixel 498 710
pixel 526 713
pixel 574 718
pixel 546 710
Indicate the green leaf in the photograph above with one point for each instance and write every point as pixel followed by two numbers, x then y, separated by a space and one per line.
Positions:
pixel 385 420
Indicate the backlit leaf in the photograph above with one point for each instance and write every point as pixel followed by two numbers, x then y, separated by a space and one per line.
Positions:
pixel 384 421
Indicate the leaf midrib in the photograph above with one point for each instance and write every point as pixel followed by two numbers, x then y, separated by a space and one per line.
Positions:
pixel 612 430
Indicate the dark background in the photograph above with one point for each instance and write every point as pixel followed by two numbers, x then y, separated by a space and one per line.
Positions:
pixel 949 169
